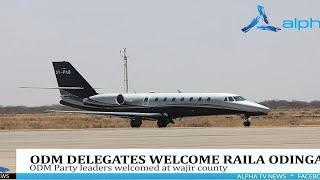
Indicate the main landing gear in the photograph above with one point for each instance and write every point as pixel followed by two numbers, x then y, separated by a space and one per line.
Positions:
pixel 136 122
pixel 246 121
pixel 164 121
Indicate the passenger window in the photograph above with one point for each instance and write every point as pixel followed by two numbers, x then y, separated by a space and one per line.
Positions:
pixel 173 99
pixel 191 99
pixel 208 99
pixel 156 99
pixel 145 99
pixel 225 99
pixel 231 99
pixel 165 99
pixel 199 99
pixel 182 99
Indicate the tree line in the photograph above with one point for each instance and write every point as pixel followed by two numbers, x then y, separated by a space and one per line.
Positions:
pixel 283 104
pixel 31 110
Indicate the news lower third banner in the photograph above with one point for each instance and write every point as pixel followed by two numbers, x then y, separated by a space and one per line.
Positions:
pixel 168 163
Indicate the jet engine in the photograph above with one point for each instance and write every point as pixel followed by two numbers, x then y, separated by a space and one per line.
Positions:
pixel 120 99
pixel 127 99
pixel 104 100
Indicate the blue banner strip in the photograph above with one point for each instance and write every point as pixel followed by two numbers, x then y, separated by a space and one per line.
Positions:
pixel 168 176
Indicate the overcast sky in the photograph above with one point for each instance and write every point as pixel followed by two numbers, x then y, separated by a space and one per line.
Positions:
pixel 194 46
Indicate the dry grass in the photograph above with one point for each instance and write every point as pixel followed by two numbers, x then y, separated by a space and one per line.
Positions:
pixel 291 117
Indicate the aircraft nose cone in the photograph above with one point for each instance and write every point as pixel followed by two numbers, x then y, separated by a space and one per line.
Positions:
pixel 263 108
pixel 258 108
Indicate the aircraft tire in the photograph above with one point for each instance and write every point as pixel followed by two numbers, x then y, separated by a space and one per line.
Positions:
pixel 246 123
pixel 162 123
pixel 135 123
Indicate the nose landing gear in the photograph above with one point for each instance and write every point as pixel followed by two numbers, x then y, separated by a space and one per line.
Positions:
pixel 246 121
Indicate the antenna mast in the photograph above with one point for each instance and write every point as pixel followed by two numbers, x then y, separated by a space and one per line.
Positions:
pixel 123 53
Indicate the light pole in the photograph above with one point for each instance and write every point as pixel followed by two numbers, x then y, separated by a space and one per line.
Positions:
pixel 123 53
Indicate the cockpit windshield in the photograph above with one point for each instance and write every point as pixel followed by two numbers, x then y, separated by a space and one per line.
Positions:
pixel 239 98
pixel 234 98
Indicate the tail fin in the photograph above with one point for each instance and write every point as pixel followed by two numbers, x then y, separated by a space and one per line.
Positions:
pixel 70 80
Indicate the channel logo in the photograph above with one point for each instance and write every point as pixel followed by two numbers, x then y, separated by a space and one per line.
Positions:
pixel 262 17
pixel 261 22
pixel 4 169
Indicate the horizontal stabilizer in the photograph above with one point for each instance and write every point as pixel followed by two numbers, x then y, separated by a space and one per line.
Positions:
pixel 73 88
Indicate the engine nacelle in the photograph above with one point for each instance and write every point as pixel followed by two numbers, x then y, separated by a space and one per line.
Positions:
pixel 120 99
pixel 126 99
pixel 104 100
pixel 129 99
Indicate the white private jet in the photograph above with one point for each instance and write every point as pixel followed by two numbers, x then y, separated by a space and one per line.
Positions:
pixel 161 107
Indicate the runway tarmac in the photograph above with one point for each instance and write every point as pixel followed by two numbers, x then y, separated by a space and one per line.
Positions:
pixel 289 137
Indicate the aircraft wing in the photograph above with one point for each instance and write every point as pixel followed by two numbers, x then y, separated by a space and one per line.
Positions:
pixel 119 114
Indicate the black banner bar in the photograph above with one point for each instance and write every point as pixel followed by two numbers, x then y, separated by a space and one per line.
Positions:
pixel 8 176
